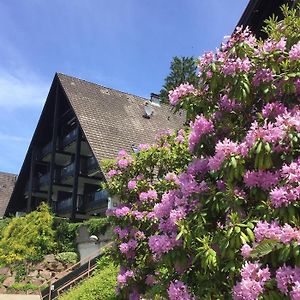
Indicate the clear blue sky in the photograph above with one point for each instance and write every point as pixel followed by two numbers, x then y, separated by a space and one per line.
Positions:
pixel 122 44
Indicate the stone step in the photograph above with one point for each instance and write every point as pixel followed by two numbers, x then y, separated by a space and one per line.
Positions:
pixel 19 297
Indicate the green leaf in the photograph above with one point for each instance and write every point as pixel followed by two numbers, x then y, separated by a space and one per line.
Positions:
pixel 265 247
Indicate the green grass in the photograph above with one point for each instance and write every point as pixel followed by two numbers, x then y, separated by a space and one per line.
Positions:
pixel 101 286
pixel 24 287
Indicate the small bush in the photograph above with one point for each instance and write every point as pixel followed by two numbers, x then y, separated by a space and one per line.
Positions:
pixel 67 257
pixel 27 238
pixel 101 286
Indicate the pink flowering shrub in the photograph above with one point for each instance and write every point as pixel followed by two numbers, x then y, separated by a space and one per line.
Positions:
pixel 213 211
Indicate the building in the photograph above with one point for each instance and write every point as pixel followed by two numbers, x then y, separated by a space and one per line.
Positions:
pixel 82 124
pixel 7 184
pixel 257 11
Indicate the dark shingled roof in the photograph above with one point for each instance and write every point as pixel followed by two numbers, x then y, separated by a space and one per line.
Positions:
pixel 112 120
pixel 7 183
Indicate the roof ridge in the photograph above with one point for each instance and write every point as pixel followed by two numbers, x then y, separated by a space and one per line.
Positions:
pixel 97 84
pixel 8 173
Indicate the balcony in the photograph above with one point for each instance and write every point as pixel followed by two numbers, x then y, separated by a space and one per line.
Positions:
pixel 67 171
pixel 92 163
pixel 69 137
pixel 43 180
pixel 91 166
pixel 97 200
pixel 65 205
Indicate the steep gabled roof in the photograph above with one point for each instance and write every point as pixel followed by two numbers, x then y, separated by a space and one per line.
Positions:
pixel 7 183
pixel 257 11
pixel 112 120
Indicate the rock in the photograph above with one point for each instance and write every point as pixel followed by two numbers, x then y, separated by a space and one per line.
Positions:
pixel 45 274
pixel 2 290
pixel 37 281
pixel 8 281
pixel 39 266
pixel 34 273
pixel 50 258
pixel 5 271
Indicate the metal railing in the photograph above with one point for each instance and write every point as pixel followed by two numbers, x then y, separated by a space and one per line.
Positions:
pixel 82 269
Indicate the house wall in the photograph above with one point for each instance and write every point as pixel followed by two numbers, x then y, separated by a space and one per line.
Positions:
pixel 86 247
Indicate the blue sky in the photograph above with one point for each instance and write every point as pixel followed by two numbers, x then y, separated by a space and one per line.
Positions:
pixel 122 44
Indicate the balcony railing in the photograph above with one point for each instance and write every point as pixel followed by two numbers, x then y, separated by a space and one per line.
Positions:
pixel 46 150
pixel 69 137
pixel 66 204
pixel 44 179
pixel 67 171
pixel 92 163
pixel 97 200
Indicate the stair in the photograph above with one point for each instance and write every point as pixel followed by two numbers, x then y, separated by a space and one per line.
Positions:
pixel 75 274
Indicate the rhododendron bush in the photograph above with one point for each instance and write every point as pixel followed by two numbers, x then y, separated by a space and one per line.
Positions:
pixel 212 211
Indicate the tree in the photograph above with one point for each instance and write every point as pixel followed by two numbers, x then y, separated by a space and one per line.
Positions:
pixel 226 224
pixel 183 70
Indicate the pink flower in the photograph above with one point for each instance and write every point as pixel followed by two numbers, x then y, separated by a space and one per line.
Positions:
pixel 150 280
pixel 246 250
pixel 131 185
pixel 112 173
pixel 122 163
pixel 272 110
pixel 294 53
pixel 179 92
pixel 178 291
pixel 200 127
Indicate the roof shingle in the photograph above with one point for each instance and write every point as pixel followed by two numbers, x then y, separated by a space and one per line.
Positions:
pixel 7 183
pixel 112 120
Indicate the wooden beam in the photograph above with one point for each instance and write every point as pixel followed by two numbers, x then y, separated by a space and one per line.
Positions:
pixel 54 139
pixel 76 172
pixel 29 199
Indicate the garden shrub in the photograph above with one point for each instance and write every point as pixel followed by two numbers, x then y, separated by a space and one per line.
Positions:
pixel 28 237
pixel 66 231
pixel 101 286
pixel 226 224
pixel 67 257
pixel 65 234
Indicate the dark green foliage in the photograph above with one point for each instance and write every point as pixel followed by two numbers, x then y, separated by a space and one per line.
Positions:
pixel 182 70
pixel 65 234
pixel 97 225
pixel 65 231
pixel 101 286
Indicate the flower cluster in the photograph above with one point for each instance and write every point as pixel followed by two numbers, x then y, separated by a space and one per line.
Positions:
pixel 252 283
pixel 224 150
pixel 150 195
pixel 160 244
pixel 294 53
pixel 181 91
pixel 290 191
pixel 124 276
pixel 274 231
pixel 205 195
pixel 178 291
pixel 288 280
pixel 199 128
pixel 262 179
